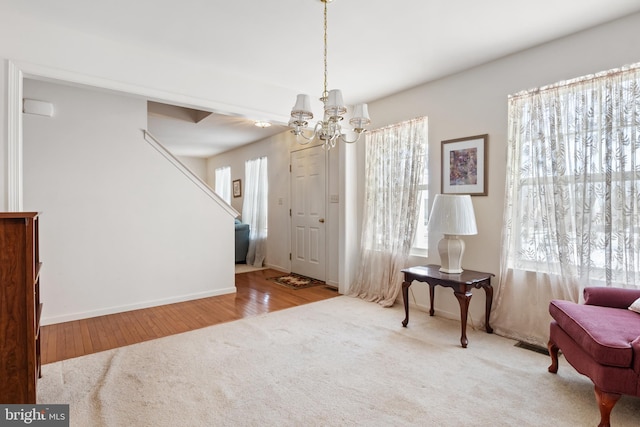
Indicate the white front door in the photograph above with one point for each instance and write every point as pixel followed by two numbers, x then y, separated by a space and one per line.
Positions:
pixel 308 200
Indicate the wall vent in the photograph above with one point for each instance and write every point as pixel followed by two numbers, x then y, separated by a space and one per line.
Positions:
pixel 532 347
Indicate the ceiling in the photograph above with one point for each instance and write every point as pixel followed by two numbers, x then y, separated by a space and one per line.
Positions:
pixel 196 133
pixel 376 47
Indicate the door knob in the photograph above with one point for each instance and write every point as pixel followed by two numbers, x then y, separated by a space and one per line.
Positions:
pixel 321 220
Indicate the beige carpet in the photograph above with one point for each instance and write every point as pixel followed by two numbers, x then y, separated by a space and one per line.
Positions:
pixel 338 362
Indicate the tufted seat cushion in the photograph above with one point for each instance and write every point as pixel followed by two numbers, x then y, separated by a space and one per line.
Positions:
pixel 605 333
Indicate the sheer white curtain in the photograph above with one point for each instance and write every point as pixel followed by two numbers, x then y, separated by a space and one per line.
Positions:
pixel 223 183
pixel 395 161
pixel 254 209
pixel 572 207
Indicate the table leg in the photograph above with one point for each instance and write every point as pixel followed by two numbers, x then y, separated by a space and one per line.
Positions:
pixel 405 299
pixel 489 295
pixel 431 298
pixel 463 299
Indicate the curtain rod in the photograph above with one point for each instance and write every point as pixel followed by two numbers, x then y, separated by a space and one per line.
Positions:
pixel 395 125
pixel 584 79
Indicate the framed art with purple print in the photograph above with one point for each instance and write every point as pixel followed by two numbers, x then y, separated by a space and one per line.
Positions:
pixel 464 165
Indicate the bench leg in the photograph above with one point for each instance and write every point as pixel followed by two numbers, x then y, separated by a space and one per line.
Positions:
pixel 553 352
pixel 606 402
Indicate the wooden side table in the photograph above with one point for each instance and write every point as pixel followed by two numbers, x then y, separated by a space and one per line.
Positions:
pixel 461 284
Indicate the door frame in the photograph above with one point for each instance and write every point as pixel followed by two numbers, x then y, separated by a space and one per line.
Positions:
pixel 327 234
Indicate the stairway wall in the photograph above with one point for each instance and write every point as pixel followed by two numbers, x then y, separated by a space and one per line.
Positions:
pixel 121 227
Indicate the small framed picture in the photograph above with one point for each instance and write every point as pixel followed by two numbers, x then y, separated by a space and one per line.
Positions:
pixel 237 188
pixel 464 165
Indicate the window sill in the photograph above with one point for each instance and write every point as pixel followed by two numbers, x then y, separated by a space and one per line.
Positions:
pixel 419 252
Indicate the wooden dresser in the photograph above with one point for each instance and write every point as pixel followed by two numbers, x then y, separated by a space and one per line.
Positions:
pixel 20 307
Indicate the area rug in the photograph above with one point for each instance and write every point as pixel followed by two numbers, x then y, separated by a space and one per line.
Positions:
pixel 337 362
pixel 296 281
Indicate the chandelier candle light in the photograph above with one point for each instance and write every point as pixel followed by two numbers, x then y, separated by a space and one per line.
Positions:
pixel 327 130
pixel 453 216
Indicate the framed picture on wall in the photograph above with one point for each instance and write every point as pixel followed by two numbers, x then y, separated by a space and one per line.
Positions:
pixel 237 188
pixel 464 165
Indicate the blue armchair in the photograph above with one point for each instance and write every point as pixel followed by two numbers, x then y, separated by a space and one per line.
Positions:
pixel 242 241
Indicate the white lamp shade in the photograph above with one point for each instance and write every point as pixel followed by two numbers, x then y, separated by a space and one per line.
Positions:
pixel 361 112
pixel 453 214
pixel 334 100
pixel 334 105
pixel 360 117
pixel 302 109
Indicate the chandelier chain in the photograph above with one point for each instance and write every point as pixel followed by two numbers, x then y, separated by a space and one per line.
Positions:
pixel 325 93
pixel 327 130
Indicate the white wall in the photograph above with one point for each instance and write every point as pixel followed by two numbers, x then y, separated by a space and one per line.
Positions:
pixel 200 84
pixel 197 165
pixel 278 150
pixel 469 103
pixel 121 228
pixel 475 102
pixel 466 104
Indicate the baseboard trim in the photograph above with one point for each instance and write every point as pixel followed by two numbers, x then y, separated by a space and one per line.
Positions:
pixel 277 267
pixel 129 307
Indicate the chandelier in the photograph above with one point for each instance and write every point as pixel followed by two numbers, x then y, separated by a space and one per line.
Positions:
pixel 327 130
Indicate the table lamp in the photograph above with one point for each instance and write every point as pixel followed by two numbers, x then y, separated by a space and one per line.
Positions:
pixel 453 216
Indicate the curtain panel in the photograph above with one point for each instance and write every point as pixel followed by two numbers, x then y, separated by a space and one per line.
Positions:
pixel 572 199
pixel 254 209
pixel 395 164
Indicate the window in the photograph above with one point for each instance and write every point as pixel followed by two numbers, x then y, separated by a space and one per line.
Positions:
pixel 394 171
pixel 223 183
pixel 421 240
pixel 574 178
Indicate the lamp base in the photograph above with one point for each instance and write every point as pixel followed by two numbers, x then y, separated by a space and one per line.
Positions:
pixel 451 249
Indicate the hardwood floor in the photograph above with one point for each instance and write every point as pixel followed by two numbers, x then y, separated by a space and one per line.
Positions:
pixel 255 295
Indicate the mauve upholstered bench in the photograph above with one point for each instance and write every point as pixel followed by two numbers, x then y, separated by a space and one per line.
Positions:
pixel 600 339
